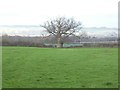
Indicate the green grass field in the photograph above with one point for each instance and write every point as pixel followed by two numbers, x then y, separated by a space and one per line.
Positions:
pixel 32 67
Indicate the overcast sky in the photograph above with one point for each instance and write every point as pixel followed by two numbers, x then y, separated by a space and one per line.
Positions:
pixel 92 13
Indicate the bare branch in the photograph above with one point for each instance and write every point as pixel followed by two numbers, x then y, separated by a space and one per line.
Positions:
pixel 62 27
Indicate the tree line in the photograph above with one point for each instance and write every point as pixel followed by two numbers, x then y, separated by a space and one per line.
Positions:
pixel 50 41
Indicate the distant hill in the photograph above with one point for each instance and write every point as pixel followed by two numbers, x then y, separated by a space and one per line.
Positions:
pixel 36 30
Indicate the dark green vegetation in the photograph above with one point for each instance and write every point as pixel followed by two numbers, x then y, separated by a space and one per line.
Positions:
pixel 55 67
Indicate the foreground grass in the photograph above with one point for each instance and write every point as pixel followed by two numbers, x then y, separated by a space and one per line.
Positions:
pixel 30 67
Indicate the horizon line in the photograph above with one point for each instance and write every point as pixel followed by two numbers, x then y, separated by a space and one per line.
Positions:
pixel 39 26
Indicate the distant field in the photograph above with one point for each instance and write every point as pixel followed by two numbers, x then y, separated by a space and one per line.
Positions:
pixel 31 67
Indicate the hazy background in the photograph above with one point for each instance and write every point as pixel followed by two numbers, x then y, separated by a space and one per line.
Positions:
pixel 23 17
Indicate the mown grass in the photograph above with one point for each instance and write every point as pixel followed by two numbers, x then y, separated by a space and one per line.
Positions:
pixel 31 67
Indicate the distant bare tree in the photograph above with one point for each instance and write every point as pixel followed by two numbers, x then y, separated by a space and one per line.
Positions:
pixel 62 28
pixel 81 35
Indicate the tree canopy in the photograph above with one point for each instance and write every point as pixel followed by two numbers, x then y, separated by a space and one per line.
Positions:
pixel 62 28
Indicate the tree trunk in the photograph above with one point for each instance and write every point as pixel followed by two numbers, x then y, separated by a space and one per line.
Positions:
pixel 59 43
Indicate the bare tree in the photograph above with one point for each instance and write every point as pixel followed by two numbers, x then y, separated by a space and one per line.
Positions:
pixel 62 28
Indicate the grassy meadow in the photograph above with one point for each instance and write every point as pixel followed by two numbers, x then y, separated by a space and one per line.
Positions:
pixel 32 67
